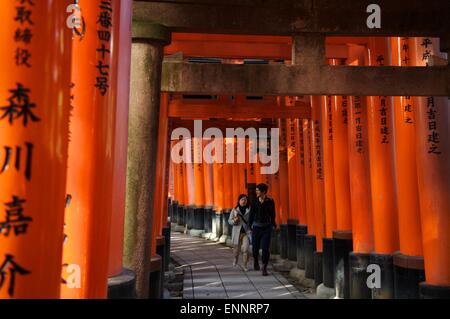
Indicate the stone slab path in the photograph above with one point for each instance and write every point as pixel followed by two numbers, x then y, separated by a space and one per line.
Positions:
pixel 209 273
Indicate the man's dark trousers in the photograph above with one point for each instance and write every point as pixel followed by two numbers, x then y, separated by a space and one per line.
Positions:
pixel 261 236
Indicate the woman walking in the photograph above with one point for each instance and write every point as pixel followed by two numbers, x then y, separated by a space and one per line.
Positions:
pixel 240 233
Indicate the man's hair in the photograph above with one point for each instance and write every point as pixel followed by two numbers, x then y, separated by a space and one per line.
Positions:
pixel 262 187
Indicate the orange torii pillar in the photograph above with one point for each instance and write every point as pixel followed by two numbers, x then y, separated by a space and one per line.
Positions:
pixel 199 188
pixel 342 234
pixel 209 196
pixel 158 247
pixel 218 169
pixel 433 169
pixel 274 187
pixel 146 67
pixel 309 240
pixel 34 117
pixel 121 280
pixel 318 184
pixel 171 192
pixel 236 179
pixel 302 227
pixel 328 104
pixel 229 201
pixel 181 196
pixel 251 169
pixel 408 262
pixel 90 164
pixel 360 194
pixel 382 175
pixel 284 190
pixel 293 190
pixel 175 176
pixel 189 186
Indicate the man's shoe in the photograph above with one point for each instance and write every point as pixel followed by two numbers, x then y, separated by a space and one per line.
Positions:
pixel 256 265
pixel 264 271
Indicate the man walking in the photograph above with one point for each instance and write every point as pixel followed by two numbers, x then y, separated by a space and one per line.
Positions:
pixel 262 222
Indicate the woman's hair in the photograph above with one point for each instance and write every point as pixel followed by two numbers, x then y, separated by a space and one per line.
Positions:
pixel 240 197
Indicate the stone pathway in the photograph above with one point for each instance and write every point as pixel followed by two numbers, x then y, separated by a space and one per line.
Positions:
pixel 209 273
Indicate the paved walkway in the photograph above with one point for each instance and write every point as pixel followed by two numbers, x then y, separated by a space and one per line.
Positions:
pixel 209 273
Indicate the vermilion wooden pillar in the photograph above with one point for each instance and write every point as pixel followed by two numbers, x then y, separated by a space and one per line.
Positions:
pixel 328 103
pixel 300 159
pixel 302 228
pixel 34 118
pixel 293 188
pixel 360 190
pixel 309 244
pixel 318 184
pixel 292 169
pixel 342 235
pixel 284 190
pixel 408 262
pixel 251 171
pixel 209 194
pixel 318 171
pixel 330 199
pixel 91 165
pixel 433 170
pixel 199 184
pixel 308 178
pixel 382 175
pixel 123 47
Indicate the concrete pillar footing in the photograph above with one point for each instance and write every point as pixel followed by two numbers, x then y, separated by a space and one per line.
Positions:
pixel 324 292
pixel 122 286
pixel 223 239
pixel 196 232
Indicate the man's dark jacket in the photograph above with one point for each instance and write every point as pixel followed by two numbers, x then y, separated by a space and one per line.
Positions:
pixel 262 214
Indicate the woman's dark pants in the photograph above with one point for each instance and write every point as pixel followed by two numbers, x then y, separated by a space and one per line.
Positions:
pixel 261 238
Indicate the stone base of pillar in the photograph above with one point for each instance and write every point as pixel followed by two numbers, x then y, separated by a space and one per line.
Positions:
pixel 181 216
pixel 161 251
pixel 199 218
pixel 190 217
pixel 155 278
pixel 173 211
pixel 166 233
pixel 309 248
pixel 284 241
pixel 408 273
pixel 300 232
pixel 323 292
pixel 299 274
pixel 358 276
pixel 433 292
pixel 342 247
pixel 217 226
pixel 208 219
pixel 196 232
pixel 318 268
pixel 328 263
pixel 122 286
pixel 292 239
pixel 275 242
pixel 386 263
pixel 226 228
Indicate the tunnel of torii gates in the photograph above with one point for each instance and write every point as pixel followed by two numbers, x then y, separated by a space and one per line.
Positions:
pixel 88 191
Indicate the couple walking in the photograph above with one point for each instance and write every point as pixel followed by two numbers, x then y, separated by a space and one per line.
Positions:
pixel 253 223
